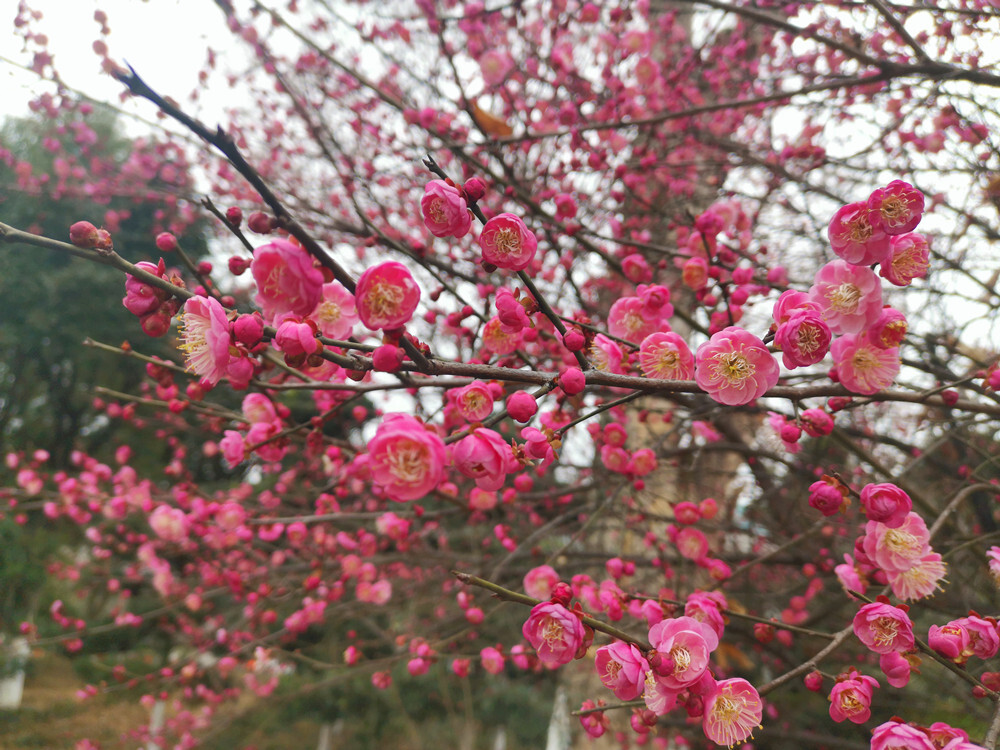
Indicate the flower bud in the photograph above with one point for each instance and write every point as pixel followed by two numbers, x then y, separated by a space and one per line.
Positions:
pixel 166 242
pixel 248 329
pixel 387 358
pixel 474 188
pixel 572 380
pixel 83 234
pixel 234 215
pixel 260 223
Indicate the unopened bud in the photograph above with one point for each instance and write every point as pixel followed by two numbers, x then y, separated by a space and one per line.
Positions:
pixel 260 223
pixel 474 188
pixel 83 234
pixel 166 242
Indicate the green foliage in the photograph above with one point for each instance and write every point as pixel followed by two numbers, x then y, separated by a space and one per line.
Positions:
pixel 51 301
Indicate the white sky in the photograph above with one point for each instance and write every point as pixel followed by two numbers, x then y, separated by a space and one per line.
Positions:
pixel 164 40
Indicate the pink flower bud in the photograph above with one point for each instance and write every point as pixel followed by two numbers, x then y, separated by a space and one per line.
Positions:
pixel 387 358
pixel 83 234
pixel 474 188
pixel 507 243
pixel 234 215
pixel 260 223
pixel 248 329
pixel 572 380
pixel 886 503
pixel 166 242
pixel 574 340
pixel 238 265
pixel 521 406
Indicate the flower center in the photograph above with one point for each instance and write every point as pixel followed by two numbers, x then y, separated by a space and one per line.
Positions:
pixel 633 322
pixel 507 241
pixel 894 208
pixel 552 632
pixel 808 338
pixel 733 367
pixel 407 462
pixel 861 229
pixel 681 657
pixel 437 212
pixel 384 299
pixel 864 360
pixel 473 401
pixel 885 630
pixel 329 312
pixel 666 362
pixel 902 543
pixel 612 670
pixel 844 299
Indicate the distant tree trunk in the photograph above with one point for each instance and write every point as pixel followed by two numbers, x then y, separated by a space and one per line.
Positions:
pixel 12 683
pixel 559 727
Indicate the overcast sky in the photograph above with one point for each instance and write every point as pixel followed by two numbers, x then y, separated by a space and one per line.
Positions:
pixel 165 40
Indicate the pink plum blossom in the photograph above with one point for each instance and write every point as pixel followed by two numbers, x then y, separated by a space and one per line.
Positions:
pixel 896 668
pixel 920 580
pixel 407 460
pixel 849 576
pixel 856 238
pixel 791 302
pixel 233 448
pixel 507 243
pixel 498 339
pixel 826 497
pixel 706 608
pixel 336 313
pixel 804 339
pixel 734 367
pixel 287 281
pixel 896 549
pixel 386 296
pixel 492 660
pixel 170 524
pixel 622 669
pixel 733 709
pixel 686 643
pixel 909 259
pixel 512 314
pixel 554 632
pixel 445 211
pixel 984 640
pixel 816 422
pixel 629 319
pixel 606 354
pixel 849 297
pixel 205 338
pixel 666 356
pixel 473 401
pixel 851 698
pixel 993 563
pixel 863 367
pixel 495 65
pixel 884 628
pixel 889 330
pixel 951 641
pixel 257 407
pixel 142 298
pixel 539 581
pixel 897 208
pixel 894 735
pixel 886 504
pixel 296 339
pixel 485 457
